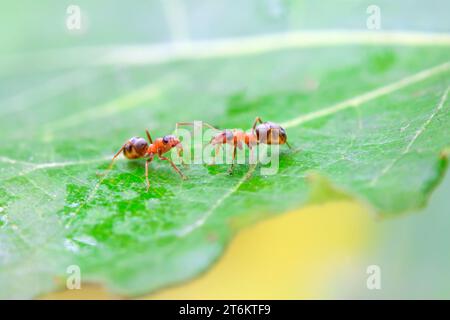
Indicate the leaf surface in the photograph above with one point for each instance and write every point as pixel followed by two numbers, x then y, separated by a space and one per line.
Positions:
pixel 366 121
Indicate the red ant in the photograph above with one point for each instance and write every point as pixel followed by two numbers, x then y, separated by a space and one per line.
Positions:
pixel 137 147
pixel 264 132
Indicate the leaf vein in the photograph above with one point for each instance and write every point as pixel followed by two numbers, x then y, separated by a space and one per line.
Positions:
pixel 199 222
pixel 357 101
pixel 422 128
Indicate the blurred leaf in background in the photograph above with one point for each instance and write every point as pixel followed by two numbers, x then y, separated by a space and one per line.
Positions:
pixel 367 114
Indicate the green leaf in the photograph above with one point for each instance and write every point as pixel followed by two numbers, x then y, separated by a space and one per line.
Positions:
pixel 368 116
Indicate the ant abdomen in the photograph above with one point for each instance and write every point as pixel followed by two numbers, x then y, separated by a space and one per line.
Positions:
pixel 135 148
pixel 270 133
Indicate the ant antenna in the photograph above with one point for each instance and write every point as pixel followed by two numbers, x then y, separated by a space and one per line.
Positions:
pixel 148 136
pixel 204 124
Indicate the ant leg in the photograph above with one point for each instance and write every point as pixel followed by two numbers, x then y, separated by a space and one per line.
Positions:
pixel 148 136
pixel 173 166
pixel 230 170
pixel 116 155
pixel 257 120
pixel 180 153
pixel 252 155
pixel 146 171
pixel 216 153
pixel 216 150
pixel 287 143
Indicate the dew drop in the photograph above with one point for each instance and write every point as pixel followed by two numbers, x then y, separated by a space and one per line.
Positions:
pixel 85 239
pixel 73 205
pixel 4 219
pixel 71 246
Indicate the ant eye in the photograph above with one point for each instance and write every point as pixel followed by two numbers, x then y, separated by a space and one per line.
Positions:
pixel 228 135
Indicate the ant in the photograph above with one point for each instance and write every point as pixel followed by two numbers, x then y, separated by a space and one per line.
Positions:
pixel 264 132
pixel 137 147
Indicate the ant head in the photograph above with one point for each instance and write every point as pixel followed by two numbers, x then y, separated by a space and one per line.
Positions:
pixel 271 133
pixel 250 139
pixel 171 140
pixel 136 147
pixel 226 136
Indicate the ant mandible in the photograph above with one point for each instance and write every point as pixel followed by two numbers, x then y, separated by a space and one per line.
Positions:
pixel 264 132
pixel 137 147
